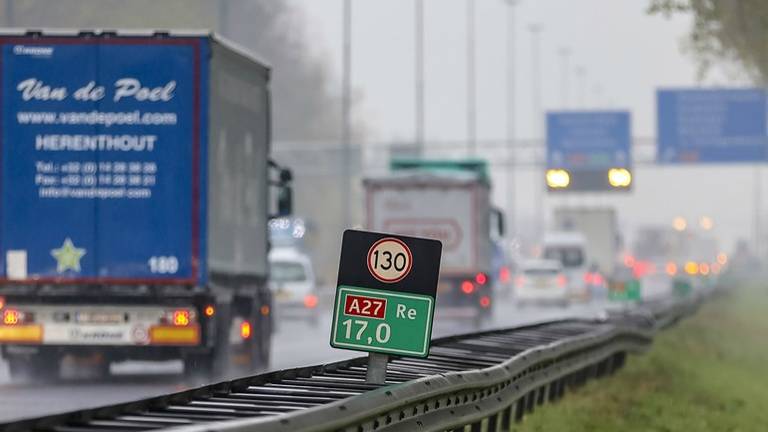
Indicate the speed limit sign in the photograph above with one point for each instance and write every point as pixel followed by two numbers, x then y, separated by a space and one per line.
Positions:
pixel 389 260
pixel 385 295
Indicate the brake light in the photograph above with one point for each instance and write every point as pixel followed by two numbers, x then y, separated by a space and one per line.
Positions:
pixel 561 281
pixel 597 279
pixel 180 317
pixel 209 311
pixel 704 269
pixel 264 310
pixel 12 317
pixel 310 301
pixel 588 278
pixel 481 278
pixel 467 287
pixel 245 330
pixel 504 274
pixel 485 302
pixel 671 268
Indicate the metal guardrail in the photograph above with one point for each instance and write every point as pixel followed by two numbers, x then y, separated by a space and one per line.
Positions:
pixel 483 381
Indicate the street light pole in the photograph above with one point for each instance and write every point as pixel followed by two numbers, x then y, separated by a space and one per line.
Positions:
pixel 346 178
pixel 510 51
pixel 581 74
pixel 419 73
pixel 471 137
pixel 538 185
pixel 565 55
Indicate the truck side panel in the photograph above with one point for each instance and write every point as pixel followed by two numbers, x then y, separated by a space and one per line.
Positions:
pixel 238 157
pixel 101 160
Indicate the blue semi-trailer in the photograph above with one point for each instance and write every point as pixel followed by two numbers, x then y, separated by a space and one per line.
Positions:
pixel 135 186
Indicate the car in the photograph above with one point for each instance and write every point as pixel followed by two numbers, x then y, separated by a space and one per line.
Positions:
pixel 541 281
pixel 293 285
pixel 570 249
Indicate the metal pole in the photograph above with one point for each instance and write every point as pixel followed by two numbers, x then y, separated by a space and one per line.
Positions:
pixel 9 14
pixel 581 74
pixel 376 373
pixel 757 209
pixel 471 138
pixel 538 184
pixel 565 54
pixel 346 178
pixel 510 51
pixel 223 15
pixel 419 73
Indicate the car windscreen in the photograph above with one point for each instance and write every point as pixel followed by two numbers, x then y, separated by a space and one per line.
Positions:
pixel 569 257
pixel 540 271
pixel 286 271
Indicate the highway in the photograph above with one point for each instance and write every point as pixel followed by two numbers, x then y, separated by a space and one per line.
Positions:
pixel 294 344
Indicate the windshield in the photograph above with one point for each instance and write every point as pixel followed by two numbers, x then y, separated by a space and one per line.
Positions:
pixel 569 257
pixel 540 272
pixel 286 271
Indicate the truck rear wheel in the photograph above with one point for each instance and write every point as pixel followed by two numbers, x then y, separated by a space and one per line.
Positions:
pixel 41 367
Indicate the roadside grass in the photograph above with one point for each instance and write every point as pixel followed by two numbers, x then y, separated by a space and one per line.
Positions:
pixel 709 373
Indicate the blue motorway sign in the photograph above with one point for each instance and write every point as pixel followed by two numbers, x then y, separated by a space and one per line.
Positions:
pixel 588 139
pixel 719 125
pixel 101 159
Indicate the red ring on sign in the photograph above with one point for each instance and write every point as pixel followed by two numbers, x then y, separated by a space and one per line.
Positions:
pixel 407 250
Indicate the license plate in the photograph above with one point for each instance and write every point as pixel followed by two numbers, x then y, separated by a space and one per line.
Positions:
pixel 541 283
pixel 99 317
pixel 284 295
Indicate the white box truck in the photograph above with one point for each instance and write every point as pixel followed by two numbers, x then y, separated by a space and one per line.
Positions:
pixel 448 201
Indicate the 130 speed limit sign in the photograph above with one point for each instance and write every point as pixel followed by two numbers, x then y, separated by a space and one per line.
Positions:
pixel 385 294
pixel 389 260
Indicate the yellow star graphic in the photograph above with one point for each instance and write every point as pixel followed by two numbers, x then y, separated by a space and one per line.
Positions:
pixel 67 256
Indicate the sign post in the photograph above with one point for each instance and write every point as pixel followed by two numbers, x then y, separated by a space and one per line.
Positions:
pixel 385 297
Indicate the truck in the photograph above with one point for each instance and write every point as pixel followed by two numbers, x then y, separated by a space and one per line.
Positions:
pixel 136 188
pixel 448 200
pixel 600 240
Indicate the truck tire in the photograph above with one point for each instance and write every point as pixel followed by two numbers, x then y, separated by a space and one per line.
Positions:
pixel 212 364
pixel 264 344
pixel 40 368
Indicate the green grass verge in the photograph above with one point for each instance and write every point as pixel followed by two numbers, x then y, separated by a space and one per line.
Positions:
pixel 709 373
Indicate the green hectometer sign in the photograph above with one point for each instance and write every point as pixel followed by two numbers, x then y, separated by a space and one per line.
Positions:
pixel 382 321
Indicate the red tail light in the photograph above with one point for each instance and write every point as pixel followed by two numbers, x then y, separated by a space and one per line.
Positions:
pixel 2 302
pixel 561 281
pixel 310 301
pixel 12 317
pixel 481 278
pixel 504 274
pixel 597 279
pixel 485 302
pixel 671 268
pixel 245 330
pixel 180 317
pixel 588 278
pixel 467 287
